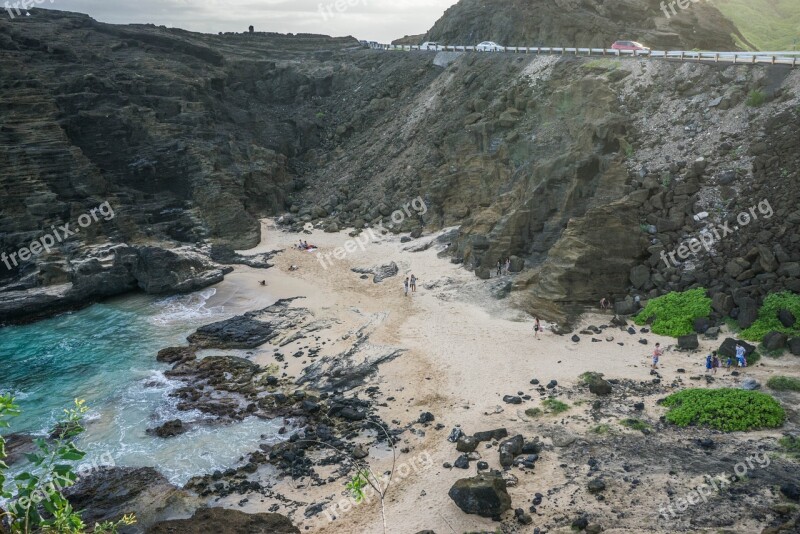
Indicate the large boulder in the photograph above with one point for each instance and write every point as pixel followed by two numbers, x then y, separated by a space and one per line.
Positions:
pixel 224 521
pixel 484 495
pixel 774 340
pixel 786 318
pixel 179 270
pixel 722 303
pixel 382 272
pixel 509 449
pixel 794 346
pixel 748 313
pixel 688 342
pixel 640 276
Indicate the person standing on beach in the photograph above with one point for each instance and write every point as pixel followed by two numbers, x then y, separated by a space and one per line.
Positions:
pixel 499 268
pixel 709 363
pixel 740 358
pixel 715 362
pixel 405 285
pixel 413 283
pixel 508 266
pixel 537 327
pixel 656 355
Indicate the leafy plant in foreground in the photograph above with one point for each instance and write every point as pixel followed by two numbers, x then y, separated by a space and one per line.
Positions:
pixel 673 314
pixel 36 502
pixel 724 409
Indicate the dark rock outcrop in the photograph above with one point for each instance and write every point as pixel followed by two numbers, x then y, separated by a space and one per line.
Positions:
pixel 224 521
pixel 484 495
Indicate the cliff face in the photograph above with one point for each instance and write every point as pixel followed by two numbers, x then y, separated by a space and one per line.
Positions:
pixel 584 23
pixel 584 169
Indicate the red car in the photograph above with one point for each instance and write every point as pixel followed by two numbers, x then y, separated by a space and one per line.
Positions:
pixel 629 45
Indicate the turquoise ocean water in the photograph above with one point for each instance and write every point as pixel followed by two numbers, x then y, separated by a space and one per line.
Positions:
pixel 105 354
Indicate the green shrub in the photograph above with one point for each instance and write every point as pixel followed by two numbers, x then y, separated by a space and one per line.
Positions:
pixel 768 316
pixel 602 429
pixel 756 98
pixel 675 312
pixel 784 383
pixel 635 424
pixel 555 406
pixel 790 445
pixel 533 412
pixel 724 409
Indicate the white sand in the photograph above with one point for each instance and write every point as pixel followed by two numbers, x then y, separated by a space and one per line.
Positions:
pixel 465 350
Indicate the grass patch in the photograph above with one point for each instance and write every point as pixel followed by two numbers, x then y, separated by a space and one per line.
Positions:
pixel 602 429
pixel 790 445
pixel 635 424
pixel 533 412
pixel 768 316
pixel 555 406
pixel 724 409
pixel 673 314
pixel 784 383
pixel 767 24
pixel 756 99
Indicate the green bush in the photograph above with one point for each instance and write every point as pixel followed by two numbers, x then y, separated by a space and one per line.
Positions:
pixel 635 424
pixel 790 445
pixel 724 409
pixel 555 406
pixel 675 312
pixel 784 383
pixel 756 98
pixel 768 316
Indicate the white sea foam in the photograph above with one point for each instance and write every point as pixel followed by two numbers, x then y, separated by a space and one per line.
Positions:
pixel 181 309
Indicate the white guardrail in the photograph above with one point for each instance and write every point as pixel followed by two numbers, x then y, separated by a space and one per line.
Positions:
pixel 791 59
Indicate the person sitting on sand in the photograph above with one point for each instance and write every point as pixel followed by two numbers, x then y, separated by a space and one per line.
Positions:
pixel 604 305
pixel 656 355
pixel 537 327
pixel 263 282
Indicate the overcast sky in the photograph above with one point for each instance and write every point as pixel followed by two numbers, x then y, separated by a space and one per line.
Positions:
pixel 380 20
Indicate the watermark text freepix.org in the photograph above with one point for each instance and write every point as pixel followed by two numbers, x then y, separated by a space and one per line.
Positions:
pixel 417 205
pixel 683 4
pixel 15 9
pixel 339 6
pixel 713 484
pixel 57 235
pixel 715 233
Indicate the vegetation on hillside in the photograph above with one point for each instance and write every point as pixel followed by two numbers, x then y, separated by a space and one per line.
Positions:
pixel 770 25
pixel 674 313
pixel 768 316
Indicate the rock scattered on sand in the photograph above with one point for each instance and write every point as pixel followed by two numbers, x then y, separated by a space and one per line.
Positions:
pixel 484 495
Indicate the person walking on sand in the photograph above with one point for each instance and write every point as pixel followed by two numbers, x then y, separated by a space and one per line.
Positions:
pixel 405 285
pixel 709 363
pixel 537 327
pixel 715 362
pixel 413 283
pixel 656 355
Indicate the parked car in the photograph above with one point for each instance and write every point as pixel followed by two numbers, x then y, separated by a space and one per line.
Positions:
pixel 430 45
pixel 629 45
pixel 489 46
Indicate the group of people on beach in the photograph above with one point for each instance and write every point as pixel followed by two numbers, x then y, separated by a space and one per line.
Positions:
pixel 303 245
pixel 713 361
pixel 410 283
pixel 503 267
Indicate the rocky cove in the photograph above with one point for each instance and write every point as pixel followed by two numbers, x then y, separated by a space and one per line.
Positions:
pixel 241 383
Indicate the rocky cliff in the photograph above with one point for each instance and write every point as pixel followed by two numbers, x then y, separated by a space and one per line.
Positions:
pixel 582 169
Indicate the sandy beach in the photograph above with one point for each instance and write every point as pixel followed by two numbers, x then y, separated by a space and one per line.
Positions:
pixel 463 350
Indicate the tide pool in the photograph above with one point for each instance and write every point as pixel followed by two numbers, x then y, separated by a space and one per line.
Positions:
pixel 106 354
